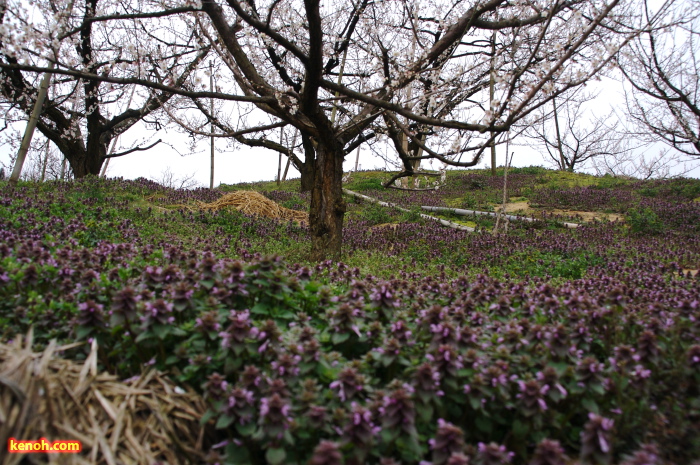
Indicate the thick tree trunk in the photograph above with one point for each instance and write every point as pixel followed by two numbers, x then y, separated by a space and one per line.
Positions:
pixel 88 161
pixel 327 204
pixel 308 178
pixel 308 169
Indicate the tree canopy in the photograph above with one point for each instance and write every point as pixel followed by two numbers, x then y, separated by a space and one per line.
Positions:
pixel 339 73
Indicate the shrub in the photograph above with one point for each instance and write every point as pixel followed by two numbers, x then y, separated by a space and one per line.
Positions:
pixel 375 214
pixel 643 221
pixel 366 184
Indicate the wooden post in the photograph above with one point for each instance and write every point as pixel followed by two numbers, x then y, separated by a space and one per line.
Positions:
pixel 492 81
pixel 340 81
pixel 46 161
pixel 36 112
pixel 289 158
pixel 211 123
pixel 559 145
pixel 31 125
pixel 279 163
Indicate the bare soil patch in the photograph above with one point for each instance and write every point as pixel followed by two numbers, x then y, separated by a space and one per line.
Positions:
pixel 384 226
pixel 523 208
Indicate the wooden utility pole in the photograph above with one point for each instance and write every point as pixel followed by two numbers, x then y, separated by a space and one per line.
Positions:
pixel 31 125
pixel 279 164
pixel 36 111
pixel 340 81
pixel 492 81
pixel 559 145
pixel 211 123
pixel 289 158
pixel 46 161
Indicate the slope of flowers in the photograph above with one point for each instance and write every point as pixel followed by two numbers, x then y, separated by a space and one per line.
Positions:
pixel 326 364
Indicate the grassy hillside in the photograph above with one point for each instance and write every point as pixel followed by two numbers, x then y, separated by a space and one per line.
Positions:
pixel 425 344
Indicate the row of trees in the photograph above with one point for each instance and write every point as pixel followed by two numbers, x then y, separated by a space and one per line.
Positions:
pixel 436 80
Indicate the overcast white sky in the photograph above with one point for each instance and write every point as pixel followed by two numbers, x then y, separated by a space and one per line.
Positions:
pixel 246 164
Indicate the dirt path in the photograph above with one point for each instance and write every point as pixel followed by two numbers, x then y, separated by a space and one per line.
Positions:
pixel 523 208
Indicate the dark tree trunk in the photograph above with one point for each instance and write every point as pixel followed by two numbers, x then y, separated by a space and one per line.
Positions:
pixel 86 162
pixel 308 175
pixel 327 204
pixel 416 151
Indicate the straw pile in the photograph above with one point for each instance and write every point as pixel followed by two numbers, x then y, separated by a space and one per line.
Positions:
pixel 144 420
pixel 255 204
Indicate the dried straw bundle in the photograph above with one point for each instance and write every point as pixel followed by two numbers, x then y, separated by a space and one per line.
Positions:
pixel 255 204
pixel 144 420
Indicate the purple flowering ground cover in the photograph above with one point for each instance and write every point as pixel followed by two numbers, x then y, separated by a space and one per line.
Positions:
pixel 426 345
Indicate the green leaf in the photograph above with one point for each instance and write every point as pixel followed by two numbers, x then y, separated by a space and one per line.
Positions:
pixel 475 403
pixel 260 309
pixel 520 429
pixel 389 435
pixel 246 430
pixel 231 365
pixel 598 389
pixel 426 413
pixel 275 456
pixel 484 424
pixel 590 405
pixel 143 336
pixel 289 439
pixel 82 332
pixel 224 421
pixel 161 331
pixel 178 332
pixel 237 455
pixel 339 338
pixel 116 319
pixel 207 416
pixel 560 367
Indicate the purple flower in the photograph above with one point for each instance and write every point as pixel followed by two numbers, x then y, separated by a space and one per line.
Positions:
pixel 348 384
pixel 493 454
pixel 326 453
pixel 398 412
pixel 595 439
pixel 274 416
pixel 383 298
pixel 647 455
pixel 427 381
pixel 531 396
pixel 208 322
pixel 359 430
pixel 549 452
pixel 286 364
pixel 215 386
pixel 240 327
pixel 448 440
pixel 124 305
pixel 693 356
pixel 158 312
pixel 240 405
pixel 181 294
pixel 91 314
